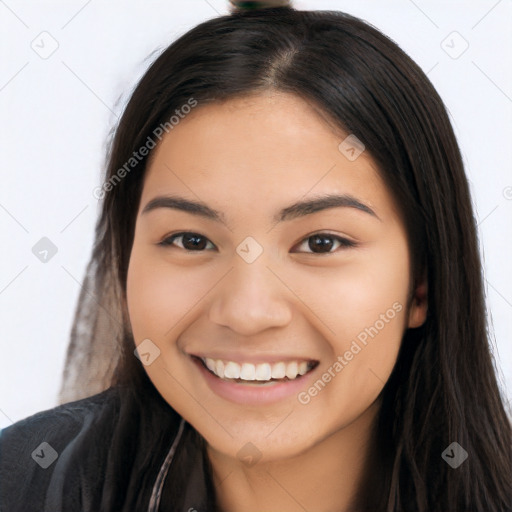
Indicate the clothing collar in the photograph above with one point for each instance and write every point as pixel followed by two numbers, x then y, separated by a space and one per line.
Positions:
pixel 183 482
pixel 156 493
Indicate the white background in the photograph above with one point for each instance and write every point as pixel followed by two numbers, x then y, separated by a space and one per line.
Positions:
pixel 57 113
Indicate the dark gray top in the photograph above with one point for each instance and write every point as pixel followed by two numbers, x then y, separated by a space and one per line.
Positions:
pixel 104 453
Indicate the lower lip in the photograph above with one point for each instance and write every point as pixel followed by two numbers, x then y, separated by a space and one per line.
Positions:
pixel 253 394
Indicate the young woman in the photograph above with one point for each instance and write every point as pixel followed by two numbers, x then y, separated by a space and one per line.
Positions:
pixel 284 307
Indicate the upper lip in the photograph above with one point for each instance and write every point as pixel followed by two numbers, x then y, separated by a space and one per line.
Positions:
pixel 239 358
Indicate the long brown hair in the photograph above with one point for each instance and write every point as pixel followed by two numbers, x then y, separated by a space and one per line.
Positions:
pixel 443 388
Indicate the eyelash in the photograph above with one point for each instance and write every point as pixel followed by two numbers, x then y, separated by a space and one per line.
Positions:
pixel 343 242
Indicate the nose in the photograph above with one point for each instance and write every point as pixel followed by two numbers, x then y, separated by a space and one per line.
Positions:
pixel 250 300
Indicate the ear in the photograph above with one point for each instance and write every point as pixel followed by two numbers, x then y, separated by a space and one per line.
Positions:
pixel 419 303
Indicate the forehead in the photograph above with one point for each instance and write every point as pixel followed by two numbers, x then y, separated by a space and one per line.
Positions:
pixel 266 149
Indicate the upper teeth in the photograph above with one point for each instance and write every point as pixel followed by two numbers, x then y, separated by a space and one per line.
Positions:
pixel 262 371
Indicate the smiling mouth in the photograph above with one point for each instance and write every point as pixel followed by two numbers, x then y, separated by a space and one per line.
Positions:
pixel 262 373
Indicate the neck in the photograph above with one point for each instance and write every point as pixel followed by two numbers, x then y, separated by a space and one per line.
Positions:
pixel 327 477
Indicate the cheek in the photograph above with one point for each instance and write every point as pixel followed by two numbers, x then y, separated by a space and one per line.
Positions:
pixel 160 295
pixel 150 302
pixel 352 296
pixel 365 306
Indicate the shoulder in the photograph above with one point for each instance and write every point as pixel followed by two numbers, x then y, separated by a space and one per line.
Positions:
pixel 30 448
pixel 59 424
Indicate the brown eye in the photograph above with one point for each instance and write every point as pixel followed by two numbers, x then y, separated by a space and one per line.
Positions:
pixel 193 242
pixel 322 243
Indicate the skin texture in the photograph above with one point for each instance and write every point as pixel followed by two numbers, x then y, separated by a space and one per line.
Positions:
pixel 249 158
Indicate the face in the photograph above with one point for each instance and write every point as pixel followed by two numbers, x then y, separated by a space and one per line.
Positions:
pixel 267 322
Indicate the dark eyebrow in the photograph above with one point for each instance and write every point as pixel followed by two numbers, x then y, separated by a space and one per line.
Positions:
pixel 302 208
pixel 186 205
pixel 298 209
